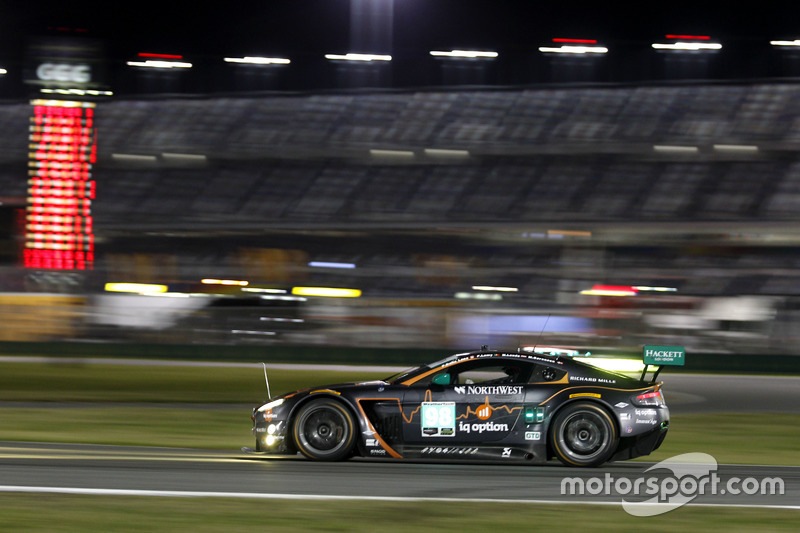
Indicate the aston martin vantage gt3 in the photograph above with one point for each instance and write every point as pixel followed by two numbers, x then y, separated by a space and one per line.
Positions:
pixel 484 405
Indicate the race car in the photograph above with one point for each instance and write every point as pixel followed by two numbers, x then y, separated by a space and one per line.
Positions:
pixel 480 406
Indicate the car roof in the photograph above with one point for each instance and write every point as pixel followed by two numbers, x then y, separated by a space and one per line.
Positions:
pixel 491 354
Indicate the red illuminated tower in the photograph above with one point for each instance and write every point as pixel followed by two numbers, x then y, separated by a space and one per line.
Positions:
pixel 62 151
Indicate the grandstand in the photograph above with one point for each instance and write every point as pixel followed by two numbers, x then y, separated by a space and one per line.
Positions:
pixel 670 153
pixel 691 185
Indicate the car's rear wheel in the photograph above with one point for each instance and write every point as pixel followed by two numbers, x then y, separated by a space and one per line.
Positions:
pixel 583 434
pixel 324 430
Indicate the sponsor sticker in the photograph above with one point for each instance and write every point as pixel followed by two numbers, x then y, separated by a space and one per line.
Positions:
pixel 491 390
pixel 589 379
pixel 452 450
pixel 664 355
pixel 533 435
pixel 438 419
pixel 585 395
pixel 481 427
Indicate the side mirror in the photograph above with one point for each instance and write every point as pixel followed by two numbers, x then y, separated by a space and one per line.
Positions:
pixel 441 379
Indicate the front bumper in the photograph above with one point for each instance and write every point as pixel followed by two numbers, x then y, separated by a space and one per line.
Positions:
pixel 270 433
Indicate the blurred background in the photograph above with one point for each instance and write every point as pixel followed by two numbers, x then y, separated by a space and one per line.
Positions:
pixel 373 174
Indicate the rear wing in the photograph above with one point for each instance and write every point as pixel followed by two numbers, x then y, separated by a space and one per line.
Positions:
pixel 661 356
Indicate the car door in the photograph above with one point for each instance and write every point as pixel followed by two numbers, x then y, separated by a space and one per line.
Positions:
pixel 475 401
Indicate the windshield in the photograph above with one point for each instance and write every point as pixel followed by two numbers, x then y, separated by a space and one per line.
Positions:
pixel 405 374
pixel 411 372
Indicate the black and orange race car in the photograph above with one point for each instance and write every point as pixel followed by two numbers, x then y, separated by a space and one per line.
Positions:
pixel 484 405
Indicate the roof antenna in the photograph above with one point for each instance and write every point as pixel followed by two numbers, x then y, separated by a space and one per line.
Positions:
pixel 266 379
pixel 541 333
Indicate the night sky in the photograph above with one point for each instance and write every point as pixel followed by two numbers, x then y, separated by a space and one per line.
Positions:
pixel 290 27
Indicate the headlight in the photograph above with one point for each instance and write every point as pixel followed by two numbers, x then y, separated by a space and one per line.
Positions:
pixel 270 405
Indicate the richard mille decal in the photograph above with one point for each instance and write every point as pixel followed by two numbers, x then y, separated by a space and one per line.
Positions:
pixel 591 379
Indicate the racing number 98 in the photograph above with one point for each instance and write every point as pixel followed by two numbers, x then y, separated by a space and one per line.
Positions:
pixel 438 416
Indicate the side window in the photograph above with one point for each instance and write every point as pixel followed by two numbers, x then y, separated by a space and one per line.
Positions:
pixel 491 372
pixel 488 371
pixel 428 380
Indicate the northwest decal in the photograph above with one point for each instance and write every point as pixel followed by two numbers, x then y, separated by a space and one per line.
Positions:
pixel 492 390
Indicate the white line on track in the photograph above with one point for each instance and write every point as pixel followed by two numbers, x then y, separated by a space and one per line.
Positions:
pixel 322 497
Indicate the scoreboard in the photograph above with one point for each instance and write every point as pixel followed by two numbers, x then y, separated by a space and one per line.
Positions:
pixel 58 218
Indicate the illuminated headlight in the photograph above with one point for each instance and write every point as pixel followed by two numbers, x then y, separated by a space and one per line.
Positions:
pixel 270 440
pixel 271 428
pixel 270 405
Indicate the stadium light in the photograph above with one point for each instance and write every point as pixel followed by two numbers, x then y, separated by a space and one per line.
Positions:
pixel 464 54
pixel 251 60
pixel 164 61
pixel 792 44
pixel 574 46
pixel 157 63
pixel 358 57
pixel 78 92
pixel 688 43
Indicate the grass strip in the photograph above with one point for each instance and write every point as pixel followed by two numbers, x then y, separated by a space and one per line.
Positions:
pixel 76 513
pixel 67 382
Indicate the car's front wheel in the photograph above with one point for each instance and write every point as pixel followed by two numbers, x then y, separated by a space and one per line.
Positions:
pixel 583 434
pixel 324 430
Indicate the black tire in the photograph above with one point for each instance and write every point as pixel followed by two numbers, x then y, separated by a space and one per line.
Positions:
pixel 583 434
pixel 324 430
